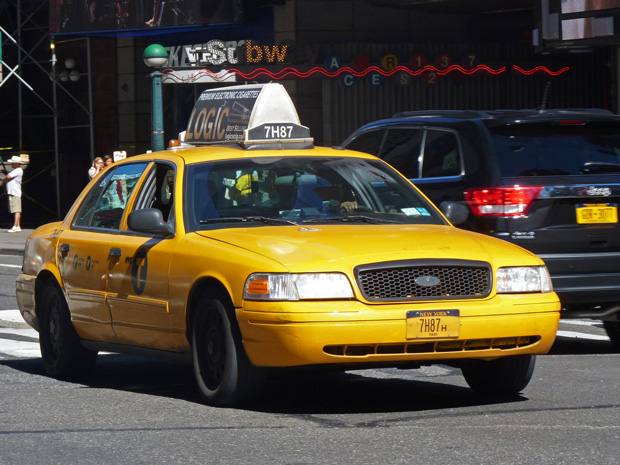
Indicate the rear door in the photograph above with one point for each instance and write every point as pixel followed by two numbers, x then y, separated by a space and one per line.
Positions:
pixel 85 251
pixel 436 159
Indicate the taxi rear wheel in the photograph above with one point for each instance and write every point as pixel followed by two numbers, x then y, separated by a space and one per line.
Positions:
pixel 63 354
pixel 224 374
pixel 506 375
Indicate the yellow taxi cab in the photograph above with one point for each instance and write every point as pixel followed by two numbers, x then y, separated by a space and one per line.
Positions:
pixel 252 249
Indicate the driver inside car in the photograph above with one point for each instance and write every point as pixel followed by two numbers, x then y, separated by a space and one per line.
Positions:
pixel 338 197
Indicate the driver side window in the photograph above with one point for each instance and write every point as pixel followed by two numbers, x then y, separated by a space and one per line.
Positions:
pixel 158 190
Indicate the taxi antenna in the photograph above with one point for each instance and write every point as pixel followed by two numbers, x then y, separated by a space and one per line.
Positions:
pixel 543 104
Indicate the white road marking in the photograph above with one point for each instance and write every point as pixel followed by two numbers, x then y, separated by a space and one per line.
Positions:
pixel 581 322
pixel 10 266
pixel 15 348
pixel 20 349
pixel 576 335
pixel 11 316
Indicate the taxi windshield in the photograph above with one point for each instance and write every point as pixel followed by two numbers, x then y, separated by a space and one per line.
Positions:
pixel 300 190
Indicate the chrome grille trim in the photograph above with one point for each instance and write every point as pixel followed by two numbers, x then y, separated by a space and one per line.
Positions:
pixel 401 280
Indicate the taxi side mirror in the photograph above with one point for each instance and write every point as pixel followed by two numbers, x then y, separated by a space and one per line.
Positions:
pixel 456 212
pixel 149 221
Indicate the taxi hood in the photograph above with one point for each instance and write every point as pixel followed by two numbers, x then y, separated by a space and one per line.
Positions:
pixel 341 247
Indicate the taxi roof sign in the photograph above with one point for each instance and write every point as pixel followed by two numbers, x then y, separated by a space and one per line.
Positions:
pixel 253 116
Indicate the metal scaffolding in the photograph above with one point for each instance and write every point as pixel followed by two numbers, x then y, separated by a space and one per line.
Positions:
pixel 34 51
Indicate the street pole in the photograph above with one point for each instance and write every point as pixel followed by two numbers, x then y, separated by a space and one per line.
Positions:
pixel 156 56
pixel 157 117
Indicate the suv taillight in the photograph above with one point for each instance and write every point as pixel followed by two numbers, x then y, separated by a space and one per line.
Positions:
pixel 502 201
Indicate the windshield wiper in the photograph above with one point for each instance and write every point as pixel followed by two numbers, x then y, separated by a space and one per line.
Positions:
pixel 351 219
pixel 597 167
pixel 247 219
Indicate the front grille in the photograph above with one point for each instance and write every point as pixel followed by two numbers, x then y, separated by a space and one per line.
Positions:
pixel 433 347
pixel 424 280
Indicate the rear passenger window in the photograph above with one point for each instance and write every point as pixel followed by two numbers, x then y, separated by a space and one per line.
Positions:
pixel 368 142
pixel 441 155
pixel 402 149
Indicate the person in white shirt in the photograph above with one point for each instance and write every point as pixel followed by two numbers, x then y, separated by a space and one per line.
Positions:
pixel 13 181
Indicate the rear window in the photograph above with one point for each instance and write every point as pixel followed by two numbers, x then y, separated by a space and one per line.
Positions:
pixel 557 149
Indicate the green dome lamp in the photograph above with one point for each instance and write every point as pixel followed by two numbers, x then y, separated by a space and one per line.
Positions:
pixel 155 56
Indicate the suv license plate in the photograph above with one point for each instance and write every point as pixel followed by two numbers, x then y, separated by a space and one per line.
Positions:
pixel 433 324
pixel 592 213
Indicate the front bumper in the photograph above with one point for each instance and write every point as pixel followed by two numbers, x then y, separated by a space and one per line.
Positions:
pixel 314 333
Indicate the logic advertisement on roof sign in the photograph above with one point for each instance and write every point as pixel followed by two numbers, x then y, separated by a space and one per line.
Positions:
pixel 221 115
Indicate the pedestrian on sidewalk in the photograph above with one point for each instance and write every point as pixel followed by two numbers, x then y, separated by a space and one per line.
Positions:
pixel 13 181
pixel 98 165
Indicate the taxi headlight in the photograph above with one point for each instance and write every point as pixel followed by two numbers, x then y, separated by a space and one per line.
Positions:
pixel 523 279
pixel 286 286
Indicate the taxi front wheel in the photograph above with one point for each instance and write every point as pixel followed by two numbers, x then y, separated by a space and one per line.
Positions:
pixel 224 374
pixel 506 375
pixel 62 353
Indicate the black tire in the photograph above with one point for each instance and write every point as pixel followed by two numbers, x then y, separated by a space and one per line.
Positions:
pixel 224 374
pixel 613 331
pixel 506 375
pixel 63 355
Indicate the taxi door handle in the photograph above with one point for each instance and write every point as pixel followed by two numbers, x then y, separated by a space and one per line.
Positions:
pixel 115 252
pixel 64 250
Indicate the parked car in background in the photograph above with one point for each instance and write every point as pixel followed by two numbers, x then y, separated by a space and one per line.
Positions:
pixel 548 181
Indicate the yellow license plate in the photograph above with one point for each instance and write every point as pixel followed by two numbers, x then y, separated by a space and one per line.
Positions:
pixel 433 324
pixel 593 213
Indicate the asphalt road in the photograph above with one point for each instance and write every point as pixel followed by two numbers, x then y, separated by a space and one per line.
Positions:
pixel 141 411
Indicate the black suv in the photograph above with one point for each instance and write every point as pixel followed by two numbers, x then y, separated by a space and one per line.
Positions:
pixel 547 180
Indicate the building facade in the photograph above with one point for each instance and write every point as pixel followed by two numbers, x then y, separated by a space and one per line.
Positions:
pixel 344 62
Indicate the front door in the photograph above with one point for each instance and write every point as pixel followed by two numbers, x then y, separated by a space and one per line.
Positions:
pixel 138 277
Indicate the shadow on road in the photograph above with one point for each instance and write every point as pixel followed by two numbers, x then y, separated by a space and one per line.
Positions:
pixel 575 346
pixel 288 392
pixel 349 392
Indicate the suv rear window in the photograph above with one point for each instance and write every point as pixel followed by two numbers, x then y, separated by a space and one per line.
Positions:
pixel 547 149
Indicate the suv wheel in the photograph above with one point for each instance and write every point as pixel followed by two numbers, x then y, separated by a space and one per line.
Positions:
pixel 613 331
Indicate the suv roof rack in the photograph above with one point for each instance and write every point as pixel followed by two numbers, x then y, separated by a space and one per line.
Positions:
pixel 489 114
pixel 464 114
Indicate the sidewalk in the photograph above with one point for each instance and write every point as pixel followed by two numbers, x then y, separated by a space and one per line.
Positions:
pixel 13 243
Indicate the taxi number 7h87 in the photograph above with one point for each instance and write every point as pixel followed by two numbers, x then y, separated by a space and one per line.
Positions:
pixel 264 251
pixel 433 324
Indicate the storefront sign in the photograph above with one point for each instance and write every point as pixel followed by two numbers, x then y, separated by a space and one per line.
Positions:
pixel 195 63
pixel 217 52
